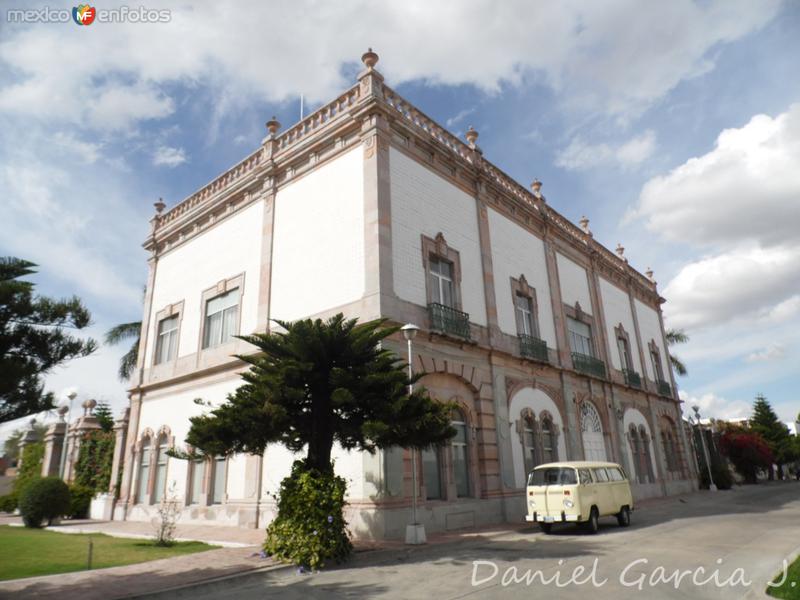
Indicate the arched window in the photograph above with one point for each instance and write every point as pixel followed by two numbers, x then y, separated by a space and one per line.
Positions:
pixel 549 446
pixel 647 463
pixel 144 470
pixel 432 472
pixel 160 482
pixel 594 447
pixel 460 457
pixel 636 452
pixel 528 438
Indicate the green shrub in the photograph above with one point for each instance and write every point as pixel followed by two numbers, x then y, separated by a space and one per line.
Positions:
pixel 43 499
pixel 8 503
pixel 80 497
pixel 310 528
pixel 723 478
pixel 32 457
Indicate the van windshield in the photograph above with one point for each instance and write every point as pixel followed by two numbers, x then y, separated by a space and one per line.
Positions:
pixel 553 476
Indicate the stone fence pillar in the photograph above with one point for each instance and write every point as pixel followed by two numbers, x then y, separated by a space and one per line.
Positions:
pixel 75 433
pixel 120 434
pixel 53 447
pixel 29 437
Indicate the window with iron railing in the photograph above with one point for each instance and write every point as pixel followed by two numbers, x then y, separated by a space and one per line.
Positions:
pixel 589 365
pixel 632 378
pixel 531 347
pixel 449 320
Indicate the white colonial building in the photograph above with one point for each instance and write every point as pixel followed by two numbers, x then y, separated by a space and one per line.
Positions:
pixel 552 345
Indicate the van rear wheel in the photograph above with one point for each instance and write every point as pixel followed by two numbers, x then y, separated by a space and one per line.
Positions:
pixel 624 516
pixel 546 527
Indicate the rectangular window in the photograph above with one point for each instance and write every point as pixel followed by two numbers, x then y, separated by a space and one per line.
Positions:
pixel 658 373
pixel 622 346
pixel 144 473
pixel 222 313
pixel 218 487
pixel 441 276
pixel 580 337
pixel 431 473
pixel 167 341
pixel 198 470
pixel 524 313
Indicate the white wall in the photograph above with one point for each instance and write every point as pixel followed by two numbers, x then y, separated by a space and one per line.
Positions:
pixel 574 283
pixel 537 401
pixel 650 329
pixel 635 417
pixel 515 252
pixel 425 203
pixel 229 248
pixel 617 309
pixel 318 246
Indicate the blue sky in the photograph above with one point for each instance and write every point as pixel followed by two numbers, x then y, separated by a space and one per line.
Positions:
pixel 675 127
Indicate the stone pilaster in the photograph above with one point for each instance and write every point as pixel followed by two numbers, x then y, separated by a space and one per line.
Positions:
pixel 53 449
pixel 120 434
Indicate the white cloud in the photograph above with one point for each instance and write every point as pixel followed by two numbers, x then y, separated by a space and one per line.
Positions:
pixel 580 155
pixel 459 116
pixel 746 188
pixel 740 283
pixel 169 157
pixel 714 406
pixel 562 44
pixel 772 352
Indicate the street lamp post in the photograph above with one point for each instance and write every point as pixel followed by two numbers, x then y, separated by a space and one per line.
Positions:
pixel 415 532
pixel 711 486
pixel 71 397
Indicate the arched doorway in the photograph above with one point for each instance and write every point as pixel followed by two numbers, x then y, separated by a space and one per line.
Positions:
pixel 594 445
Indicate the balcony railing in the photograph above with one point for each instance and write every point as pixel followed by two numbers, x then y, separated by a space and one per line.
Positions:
pixel 632 378
pixel 531 347
pixel 589 364
pixel 449 320
pixel 664 388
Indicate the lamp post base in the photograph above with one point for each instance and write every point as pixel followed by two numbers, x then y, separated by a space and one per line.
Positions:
pixel 712 488
pixel 415 534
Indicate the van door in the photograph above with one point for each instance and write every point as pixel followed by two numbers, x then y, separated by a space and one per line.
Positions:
pixel 605 492
pixel 622 489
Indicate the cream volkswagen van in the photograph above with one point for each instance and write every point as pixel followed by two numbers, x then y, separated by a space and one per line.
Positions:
pixel 578 492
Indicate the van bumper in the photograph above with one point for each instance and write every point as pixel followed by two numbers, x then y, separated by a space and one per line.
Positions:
pixel 561 518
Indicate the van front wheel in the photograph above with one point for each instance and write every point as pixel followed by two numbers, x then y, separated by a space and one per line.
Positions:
pixel 624 517
pixel 592 525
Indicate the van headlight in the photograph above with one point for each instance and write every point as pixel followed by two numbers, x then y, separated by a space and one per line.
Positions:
pixel 568 503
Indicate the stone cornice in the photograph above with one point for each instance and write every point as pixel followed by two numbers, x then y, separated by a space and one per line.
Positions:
pixel 335 126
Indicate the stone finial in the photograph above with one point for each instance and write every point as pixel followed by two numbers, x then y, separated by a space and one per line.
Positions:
pixel 472 136
pixel 88 406
pixel 584 224
pixel 649 274
pixel 62 411
pixel 160 206
pixel 273 125
pixel 620 250
pixel 536 187
pixel 370 59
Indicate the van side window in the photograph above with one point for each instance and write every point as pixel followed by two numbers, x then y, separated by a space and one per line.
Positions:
pixel 585 475
pixel 600 475
pixel 616 475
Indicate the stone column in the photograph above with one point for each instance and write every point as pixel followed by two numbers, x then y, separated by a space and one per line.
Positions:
pixel 53 448
pixel 85 424
pixel 126 491
pixel 120 431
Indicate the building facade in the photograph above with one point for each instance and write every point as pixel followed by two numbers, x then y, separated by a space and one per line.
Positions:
pixel 552 345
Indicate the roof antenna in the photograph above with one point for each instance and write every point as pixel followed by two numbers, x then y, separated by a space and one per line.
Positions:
pixel 301 107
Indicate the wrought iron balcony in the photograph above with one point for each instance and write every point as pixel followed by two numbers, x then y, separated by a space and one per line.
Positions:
pixel 449 320
pixel 632 378
pixel 664 388
pixel 589 364
pixel 531 347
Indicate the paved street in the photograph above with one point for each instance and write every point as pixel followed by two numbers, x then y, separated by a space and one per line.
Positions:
pixel 751 529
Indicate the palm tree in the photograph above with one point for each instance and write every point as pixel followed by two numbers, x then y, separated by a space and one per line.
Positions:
pixel 677 336
pixel 126 331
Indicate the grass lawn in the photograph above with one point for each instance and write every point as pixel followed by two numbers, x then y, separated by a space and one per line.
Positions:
pixel 790 589
pixel 30 552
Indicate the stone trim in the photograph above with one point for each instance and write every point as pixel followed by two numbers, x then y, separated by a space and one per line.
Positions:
pixel 439 248
pixel 169 310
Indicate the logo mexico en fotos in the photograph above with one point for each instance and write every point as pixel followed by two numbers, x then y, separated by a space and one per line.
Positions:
pixel 85 14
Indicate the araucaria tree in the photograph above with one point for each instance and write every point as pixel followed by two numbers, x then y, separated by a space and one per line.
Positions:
pixel 317 383
pixel 776 435
pixel 33 339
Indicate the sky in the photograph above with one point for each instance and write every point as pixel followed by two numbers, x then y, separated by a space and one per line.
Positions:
pixel 673 126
